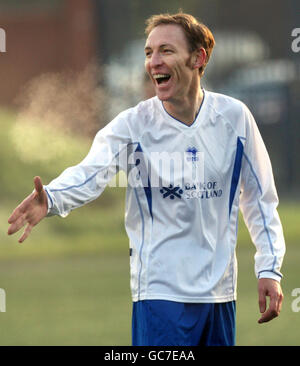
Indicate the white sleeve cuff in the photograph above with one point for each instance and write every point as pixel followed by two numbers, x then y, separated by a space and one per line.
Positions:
pixel 269 274
pixel 50 202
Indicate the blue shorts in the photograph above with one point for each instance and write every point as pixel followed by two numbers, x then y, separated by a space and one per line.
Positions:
pixel 169 323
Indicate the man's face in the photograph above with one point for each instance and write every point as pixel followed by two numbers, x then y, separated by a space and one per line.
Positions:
pixel 168 62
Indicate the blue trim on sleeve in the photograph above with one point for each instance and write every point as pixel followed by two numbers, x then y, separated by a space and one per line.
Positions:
pixel 270 270
pixel 265 226
pixel 46 190
pixel 252 170
pixel 236 171
pixel 262 215
pixel 91 177
pixel 76 185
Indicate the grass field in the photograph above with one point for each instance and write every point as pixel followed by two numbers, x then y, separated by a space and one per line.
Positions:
pixel 83 298
pixel 68 284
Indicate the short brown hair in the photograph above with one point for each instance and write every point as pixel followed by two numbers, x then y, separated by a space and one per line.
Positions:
pixel 197 34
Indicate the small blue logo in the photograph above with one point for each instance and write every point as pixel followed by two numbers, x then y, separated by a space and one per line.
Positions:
pixel 192 154
pixel 171 192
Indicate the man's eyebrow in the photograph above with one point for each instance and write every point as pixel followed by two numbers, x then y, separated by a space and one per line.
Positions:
pixel 166 45
pixel 161 46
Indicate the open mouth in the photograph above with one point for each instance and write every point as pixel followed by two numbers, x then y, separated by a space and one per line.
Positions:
pixel 161 78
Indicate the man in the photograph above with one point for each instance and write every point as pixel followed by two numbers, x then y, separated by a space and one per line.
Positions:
pixel 182 229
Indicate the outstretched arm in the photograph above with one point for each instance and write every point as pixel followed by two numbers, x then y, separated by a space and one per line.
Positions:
pixel 79 184
pixel 31 211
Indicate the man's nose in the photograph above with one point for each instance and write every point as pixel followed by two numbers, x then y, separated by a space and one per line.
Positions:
pixel 156 59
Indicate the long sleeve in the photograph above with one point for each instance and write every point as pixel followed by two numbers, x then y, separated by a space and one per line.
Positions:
pixel 258 204
pixel 84 182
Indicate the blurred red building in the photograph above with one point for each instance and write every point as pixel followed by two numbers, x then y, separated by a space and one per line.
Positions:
pixel 50 39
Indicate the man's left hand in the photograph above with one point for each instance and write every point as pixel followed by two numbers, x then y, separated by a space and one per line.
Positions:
pixel 271 288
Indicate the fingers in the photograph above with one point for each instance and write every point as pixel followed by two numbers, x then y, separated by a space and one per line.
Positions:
pixel 27 210
pixel 272 289
pixel 40 193
pixel 30 219
pixel 14 216
pixel 262 302
pixel 38 185
pixel 20 210
pixel 272 312
pixel 26 233
pixel 17 224
pixel 268 315
pixel 280 300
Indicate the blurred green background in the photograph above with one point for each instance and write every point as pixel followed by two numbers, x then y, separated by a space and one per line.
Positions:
pixel 69 67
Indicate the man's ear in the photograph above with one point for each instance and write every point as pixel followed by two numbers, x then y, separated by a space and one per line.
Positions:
pixel 199 58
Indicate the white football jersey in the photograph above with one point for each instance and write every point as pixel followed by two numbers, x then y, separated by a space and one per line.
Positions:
pixel 185 187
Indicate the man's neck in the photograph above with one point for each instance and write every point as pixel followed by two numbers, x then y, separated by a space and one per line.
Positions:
pixel 185 110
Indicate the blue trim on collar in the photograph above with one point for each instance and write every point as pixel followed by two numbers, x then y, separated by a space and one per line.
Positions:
pixel 178 120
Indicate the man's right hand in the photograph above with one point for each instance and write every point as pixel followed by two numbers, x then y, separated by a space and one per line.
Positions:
pixel 31 211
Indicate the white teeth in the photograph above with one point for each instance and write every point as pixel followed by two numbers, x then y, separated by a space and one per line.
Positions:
pixel 158 76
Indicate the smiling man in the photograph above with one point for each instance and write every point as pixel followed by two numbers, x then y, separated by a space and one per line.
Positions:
pixel 175 65
pixel 182 231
